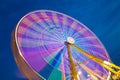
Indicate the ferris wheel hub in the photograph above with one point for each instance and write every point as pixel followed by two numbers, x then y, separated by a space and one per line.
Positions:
pixel 70 40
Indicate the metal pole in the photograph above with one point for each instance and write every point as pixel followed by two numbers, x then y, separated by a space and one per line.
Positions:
pixel 74 73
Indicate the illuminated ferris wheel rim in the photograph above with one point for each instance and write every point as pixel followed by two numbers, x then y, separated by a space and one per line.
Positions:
pixel 61 14
pixel 69 39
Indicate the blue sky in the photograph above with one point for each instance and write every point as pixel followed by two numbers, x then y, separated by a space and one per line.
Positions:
pixel 101 16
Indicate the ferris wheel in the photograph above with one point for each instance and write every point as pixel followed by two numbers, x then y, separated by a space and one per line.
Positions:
pixel 49 45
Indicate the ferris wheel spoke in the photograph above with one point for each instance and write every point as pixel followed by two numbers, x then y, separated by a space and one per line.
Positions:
pixel 72 28
pixel 90 45
pixel 58 21
pixel 40 23
pixel 56 61
pixel 32 35
pixel 70 32
pixel 65 26
pixel 85 38
pixel 39 27
pixel 34 43
pixel 53 54
pixel 50 33
pixel 49 23
pixel 43 30
pixel 51 49
pixel 26 36
pixel 77 36
pixel 29 32
pixel 62 20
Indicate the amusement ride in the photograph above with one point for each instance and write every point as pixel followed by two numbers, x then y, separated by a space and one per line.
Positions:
pixel 49 45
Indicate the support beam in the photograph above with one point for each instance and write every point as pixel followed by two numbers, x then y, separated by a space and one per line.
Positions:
pixel 106 64
pixel 74 73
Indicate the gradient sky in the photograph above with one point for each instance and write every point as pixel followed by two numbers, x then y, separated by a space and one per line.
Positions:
pixel 101 16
